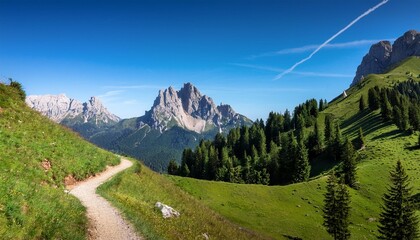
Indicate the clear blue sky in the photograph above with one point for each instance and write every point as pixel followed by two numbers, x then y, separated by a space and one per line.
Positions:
pixel 125 51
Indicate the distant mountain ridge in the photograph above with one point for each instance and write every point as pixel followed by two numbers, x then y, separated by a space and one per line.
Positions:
pixel 176 120
pixel 383 55
pixel 60 107
pixel 189 109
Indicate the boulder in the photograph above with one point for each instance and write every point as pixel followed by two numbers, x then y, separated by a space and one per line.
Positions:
pixel 167 211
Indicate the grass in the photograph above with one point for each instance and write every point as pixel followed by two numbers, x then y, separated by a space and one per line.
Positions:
pixel 294 210
pixel 280 212
pixel 135 194
pixel 33 204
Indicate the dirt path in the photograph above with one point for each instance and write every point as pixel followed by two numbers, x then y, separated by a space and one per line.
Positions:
pixel 105 221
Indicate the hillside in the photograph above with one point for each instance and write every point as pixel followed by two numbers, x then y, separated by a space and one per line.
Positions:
pixel 37 156
pixel 295 210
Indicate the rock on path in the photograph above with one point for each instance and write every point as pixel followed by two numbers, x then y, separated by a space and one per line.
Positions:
pixel 105 221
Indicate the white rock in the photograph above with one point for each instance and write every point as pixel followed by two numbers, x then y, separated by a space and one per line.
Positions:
pixel 60 107
pixel 167 211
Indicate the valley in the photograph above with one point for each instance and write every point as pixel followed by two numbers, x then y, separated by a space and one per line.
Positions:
pixel 168 120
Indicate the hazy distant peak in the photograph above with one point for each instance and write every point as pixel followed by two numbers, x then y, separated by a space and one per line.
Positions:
pixel 60 107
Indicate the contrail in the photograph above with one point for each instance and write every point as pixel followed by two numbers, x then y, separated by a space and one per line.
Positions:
pixel 330 39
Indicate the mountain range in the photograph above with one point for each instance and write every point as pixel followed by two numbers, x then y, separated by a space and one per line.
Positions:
pixel 177 119
pixel 87 118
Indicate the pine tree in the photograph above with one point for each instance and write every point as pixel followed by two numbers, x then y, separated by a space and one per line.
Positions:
pixel 349 164
pixel 173 167
pixel 398 219
pixel 361 139
pixel 321 105
pixel 302 168
pixel 315 142
pixel 362 104
pixel 373 99
pixel 386 108
pixel 328 131
pixel 336 209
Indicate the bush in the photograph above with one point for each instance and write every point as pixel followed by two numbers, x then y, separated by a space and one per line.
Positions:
pixel 137 168
pixel 18 86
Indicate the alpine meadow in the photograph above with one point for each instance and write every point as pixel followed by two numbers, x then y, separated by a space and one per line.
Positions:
pixel 209 119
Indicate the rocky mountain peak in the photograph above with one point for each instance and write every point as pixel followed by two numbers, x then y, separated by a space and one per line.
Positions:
pixel 189 109
pixel 383 55
pixel 59 108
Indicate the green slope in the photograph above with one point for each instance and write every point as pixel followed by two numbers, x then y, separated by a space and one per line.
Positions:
pixel 283 212
pixel 294 210
pixel 135 192
pixel 33 204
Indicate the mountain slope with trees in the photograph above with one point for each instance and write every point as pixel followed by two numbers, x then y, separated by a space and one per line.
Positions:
pixel 295 210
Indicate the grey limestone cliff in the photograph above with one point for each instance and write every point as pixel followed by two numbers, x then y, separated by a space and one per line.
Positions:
pixel 61 108
pixel 189 109
pixel 382 55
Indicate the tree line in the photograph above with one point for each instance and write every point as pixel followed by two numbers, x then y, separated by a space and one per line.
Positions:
pixel 400 104
pixel 277 151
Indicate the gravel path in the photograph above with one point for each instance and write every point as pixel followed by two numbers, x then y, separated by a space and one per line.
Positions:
pixel 105 221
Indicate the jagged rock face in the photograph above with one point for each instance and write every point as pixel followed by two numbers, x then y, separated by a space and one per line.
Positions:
pixel 406 46
pixel 376 61
pixel 383 55
pixel 55 107
pixel 189 109
pixel 93 109
pixel 59 108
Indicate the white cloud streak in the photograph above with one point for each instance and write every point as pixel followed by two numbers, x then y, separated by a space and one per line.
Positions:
pixel 135 87
pixel 279 70
pixel 312 47
pixel 330 39
pixel 111 94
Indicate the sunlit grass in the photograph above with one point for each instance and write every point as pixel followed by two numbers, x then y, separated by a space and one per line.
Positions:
pixel 33 204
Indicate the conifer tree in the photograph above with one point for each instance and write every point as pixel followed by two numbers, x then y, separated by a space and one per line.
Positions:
pixel 349 164
pixel 328 131
pixel 315 142
pixel 302 168
pixel 361 138
pixel 373 99
pixel 386 108
pixel 173 167
pixel 398 218
pixel 336 209
pixel 362 104
pixel 321 105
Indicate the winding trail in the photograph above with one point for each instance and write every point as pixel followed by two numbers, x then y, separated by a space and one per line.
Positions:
pixel 105 221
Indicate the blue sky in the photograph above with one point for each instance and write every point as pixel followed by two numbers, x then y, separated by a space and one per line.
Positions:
pixel 125 51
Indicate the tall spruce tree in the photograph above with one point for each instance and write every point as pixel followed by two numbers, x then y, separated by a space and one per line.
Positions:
pixel 302 168
pixel 348 156
pixel 398 218
pixel 336 209
pixel 329 129
pixel 361 139
pixel 386 108
pixel 362 104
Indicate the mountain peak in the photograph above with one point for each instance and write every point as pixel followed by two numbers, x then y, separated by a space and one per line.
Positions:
pixel 383 55
pixel 189 109
pixel 59 108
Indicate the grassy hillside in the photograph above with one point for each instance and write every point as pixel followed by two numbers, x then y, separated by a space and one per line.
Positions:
pixel 36 155
pixel 294 210
pixel 284 212
pixel 135 192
